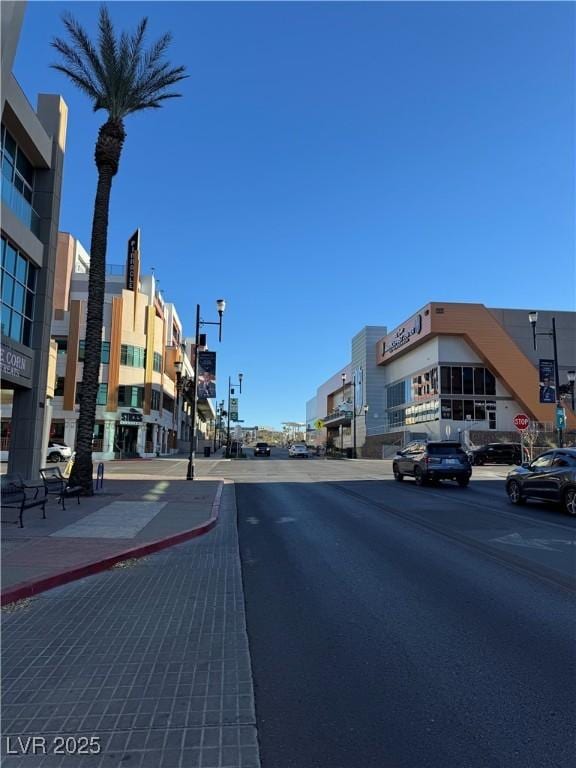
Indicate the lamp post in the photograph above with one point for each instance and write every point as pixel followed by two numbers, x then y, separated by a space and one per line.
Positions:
pixel 571 379
pixel 231 391
pixel 192 384
pixel 533 319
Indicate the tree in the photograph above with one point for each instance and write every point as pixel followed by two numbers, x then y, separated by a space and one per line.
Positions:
pixel 120 77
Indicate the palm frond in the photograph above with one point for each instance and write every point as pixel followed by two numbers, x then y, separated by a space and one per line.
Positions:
pixel 118 74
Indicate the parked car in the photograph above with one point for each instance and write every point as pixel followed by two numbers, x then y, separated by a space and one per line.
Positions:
pixel 496 453
pixel 429 462
pixel 58 451
pixel 298 451
pixel 550 477
pixel 261 449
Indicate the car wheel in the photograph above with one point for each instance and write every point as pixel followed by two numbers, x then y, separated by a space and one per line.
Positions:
pixel 569 501
pixel 478 461
pixel 419 477
pixel 463 481
pixel 397 474
pixel 514 492
pixel 54 457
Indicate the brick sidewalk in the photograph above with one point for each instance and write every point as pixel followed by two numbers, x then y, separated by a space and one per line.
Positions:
pixel 126 515
pixel 145 666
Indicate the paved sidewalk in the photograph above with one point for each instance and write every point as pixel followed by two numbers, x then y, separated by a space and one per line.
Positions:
pixel 122 518
pixel 145 666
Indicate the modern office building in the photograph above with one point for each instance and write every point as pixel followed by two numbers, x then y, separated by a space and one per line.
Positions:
pixel 458 371
pixel 32 146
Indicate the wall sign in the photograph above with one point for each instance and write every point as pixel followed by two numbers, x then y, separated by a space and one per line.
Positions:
pixel 15 364
pixel 402 335
pixel 133 248
pixel 131 418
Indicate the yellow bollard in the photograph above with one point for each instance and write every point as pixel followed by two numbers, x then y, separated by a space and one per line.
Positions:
pixel 68 467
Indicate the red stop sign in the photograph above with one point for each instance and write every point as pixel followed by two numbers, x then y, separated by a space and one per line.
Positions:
pixel 521 421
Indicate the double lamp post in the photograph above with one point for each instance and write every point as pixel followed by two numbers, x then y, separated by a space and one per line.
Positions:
pixel 183 384
pixel 354 414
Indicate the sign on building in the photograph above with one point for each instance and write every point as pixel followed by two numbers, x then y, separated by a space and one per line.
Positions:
pixel 132 267
pixel 15 364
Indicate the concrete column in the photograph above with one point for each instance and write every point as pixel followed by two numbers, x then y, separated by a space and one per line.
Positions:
pixel 141 443
pixel 108 441
pixel 46 432
pixel 70 432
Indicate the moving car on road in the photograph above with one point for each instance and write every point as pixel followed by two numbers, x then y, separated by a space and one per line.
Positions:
pixel 496 453
pixel 261 449
pixel 429 462
pixel 550 477
pixel 298 451
pixel 58 451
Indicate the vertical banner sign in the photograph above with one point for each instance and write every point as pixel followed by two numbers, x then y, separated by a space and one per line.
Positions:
pixel 358 388
pixel 547 381
pixel 206 374
pixel 132 256
pixel 233 409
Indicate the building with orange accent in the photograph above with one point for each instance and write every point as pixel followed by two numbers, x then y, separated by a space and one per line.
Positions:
pixel 451 370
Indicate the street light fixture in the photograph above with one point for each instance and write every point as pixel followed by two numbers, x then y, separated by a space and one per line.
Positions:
pixel 231 391
pixel 191 384
pixel 571 379
pixel 533 319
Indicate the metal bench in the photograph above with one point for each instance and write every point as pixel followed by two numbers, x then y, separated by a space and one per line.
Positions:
pixel 17 495
pixel 56 484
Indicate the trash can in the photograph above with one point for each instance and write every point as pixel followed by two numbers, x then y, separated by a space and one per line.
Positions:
pixel 206 450
pixel 349 453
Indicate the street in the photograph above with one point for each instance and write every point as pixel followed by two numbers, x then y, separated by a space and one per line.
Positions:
pixel 396 626
pixel 388 626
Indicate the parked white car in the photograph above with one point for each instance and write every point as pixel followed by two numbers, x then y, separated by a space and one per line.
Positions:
pixel 58 452
pixel 298 451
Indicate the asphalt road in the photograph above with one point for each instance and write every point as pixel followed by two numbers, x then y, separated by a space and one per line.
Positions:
pixel 392 626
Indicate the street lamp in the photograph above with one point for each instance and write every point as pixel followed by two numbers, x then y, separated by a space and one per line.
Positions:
pixel 192 384
pixel 571 379
pixel 533 319
pixel 231 391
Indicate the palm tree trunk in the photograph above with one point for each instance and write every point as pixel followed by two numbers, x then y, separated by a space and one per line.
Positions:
pixel 107 155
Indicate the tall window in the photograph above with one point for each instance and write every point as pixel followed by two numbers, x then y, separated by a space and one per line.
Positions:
pixel 466 380
pixel 101 396
pixel 18 182
pixel 18 291
pixel 155 400
pixel 104 352
pixel 157 365
pixel 133 356
pixel 131 396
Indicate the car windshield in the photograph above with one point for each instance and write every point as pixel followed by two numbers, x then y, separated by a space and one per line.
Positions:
pixel 444 450
pixel 261 445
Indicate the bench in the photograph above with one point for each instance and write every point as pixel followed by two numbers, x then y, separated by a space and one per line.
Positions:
pixel 17 495
pixel 55 484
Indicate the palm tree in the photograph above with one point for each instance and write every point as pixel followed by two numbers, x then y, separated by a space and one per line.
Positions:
pixel 119 76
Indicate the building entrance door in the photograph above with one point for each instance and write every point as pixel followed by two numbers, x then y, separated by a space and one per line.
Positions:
pixel 126 443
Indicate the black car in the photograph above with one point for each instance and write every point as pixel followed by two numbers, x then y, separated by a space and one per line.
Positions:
pixel 550 477
pixel 496 453
pixel 261 449
pixel 429 462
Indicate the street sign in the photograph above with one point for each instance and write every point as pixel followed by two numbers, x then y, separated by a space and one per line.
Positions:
pixel 521 422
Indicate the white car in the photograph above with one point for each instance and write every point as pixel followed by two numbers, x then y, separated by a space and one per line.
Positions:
pixel 298 451
pixel 58 451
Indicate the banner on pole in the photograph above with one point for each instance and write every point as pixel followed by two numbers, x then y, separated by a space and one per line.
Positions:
pixel 206 375
pixel 233 409
pixel 547 381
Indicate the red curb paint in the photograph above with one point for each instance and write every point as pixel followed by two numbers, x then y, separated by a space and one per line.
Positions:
pixel 30 588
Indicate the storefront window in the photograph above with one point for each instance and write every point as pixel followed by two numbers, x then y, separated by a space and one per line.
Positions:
pixel 468 380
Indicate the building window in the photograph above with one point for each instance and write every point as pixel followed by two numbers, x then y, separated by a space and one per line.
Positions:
pixel 18 182
pixel 396 394
pixel 479 381
pixel 167 402
pixel 59 388
pixel 62 344
pixel 466 380
pixel 132 356
pixel 490 382
pixel 104 351
pixel 155 401
pixel 57 431
pixel 130 396
pixel 18 291
pixel 157 365
pixel 101 395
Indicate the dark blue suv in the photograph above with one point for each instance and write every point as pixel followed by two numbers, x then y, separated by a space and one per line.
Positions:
pixel 429 462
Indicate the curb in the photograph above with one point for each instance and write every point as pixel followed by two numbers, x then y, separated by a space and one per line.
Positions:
pixel 31 588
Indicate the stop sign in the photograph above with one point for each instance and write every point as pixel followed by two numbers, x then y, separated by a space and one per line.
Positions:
pixel 521 421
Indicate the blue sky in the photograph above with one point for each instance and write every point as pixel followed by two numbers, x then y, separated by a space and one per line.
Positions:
pixel 334 165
